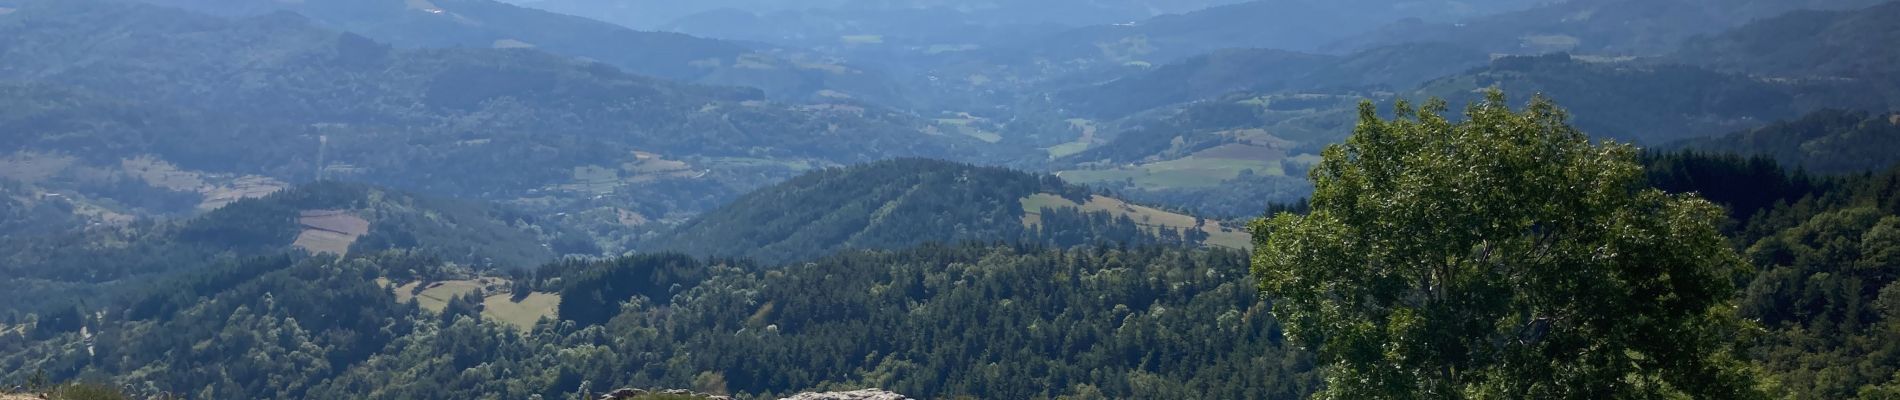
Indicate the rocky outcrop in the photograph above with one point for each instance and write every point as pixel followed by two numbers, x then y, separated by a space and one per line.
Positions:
pixel 866 394
pixel 630 393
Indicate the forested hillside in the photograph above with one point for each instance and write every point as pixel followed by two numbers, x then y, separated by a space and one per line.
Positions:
pixel 493 24
pixel 1649 104
pixel 1826 141
pixel 993 322
pixel 276 97
pixel 1399 67
pixel 1823 283
pixel 902 203
pixel 101 261
pixel 1114 322
pixel 1839 45
pixel 1611 27
pixel 949 199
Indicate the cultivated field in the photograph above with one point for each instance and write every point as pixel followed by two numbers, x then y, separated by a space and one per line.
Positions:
pixel 1217 233
pixel 329 231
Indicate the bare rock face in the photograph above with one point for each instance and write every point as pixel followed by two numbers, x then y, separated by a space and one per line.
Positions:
pixel 866 394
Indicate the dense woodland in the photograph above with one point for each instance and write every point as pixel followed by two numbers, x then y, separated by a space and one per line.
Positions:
pixel 838 195
pixel 897 204
pixel 1010 321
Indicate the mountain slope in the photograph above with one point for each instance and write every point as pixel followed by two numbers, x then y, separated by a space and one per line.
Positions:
pixel 1827 142
pixel 1033 64
pixel 492 24
pixel 1640 103
pixel 1398 67
pixel 1202 76
pixel 1829 45
pixel 1611 27
pixel 901 203
pixel 935 322
pixel 336 218
pixel 269 94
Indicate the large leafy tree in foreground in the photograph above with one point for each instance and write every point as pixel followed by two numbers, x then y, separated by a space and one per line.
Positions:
pixel 1504 256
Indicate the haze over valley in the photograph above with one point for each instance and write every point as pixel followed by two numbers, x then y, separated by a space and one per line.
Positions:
pixel 991 199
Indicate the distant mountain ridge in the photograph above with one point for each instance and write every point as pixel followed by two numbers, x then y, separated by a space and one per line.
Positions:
pixel 1840 45
pixel 1393 68
pixel 265 95
pixel 492 24
pixel 1605 27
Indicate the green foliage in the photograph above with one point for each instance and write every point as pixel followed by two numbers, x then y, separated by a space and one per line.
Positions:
pixel 1505 256
pixel 591 292
pixel 87 391
pixel 931 322
pixel 1745 186
pixel 1825 289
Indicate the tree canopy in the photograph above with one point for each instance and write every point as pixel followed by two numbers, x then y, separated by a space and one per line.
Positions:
pixel 1502 256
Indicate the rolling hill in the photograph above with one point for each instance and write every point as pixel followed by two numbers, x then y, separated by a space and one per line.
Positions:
pixel 1636 102
pixel 95 260
pixel 1399 67
pixel 322 328
pixel 269 95
pixel 901 203
pixel 1597 27
pixel 1826 142
pixel 492 24
pixel 1845 45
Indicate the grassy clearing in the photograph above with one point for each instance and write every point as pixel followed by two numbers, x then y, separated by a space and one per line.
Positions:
pixel 246 187
pixel 159 173
pixel 967 127
pixel 317 241
pixel 1067 149
pixel 329 231
pixel 1083 143
pixel 1218 234
pixel 498 306
pixel 522 315
pixel 33 167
